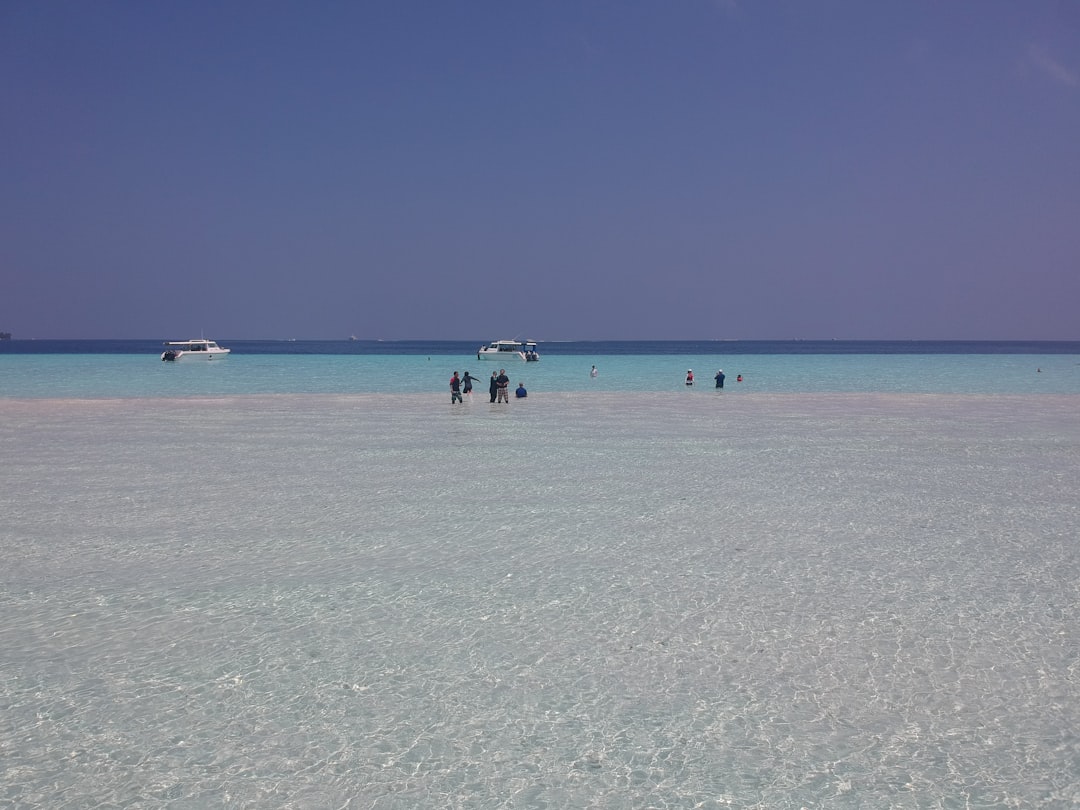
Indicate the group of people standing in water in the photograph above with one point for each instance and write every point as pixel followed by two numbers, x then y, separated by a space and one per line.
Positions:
pixel 498 388
pixel 720 377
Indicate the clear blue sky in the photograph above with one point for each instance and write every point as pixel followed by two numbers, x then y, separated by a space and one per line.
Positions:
pixel 553 170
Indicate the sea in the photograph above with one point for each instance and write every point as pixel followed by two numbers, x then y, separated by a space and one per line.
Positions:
pixel 301 577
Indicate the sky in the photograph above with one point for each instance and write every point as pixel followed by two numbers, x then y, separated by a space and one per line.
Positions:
pixel 488 169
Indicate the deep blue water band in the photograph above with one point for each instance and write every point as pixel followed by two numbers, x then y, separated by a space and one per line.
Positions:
pixel 566 348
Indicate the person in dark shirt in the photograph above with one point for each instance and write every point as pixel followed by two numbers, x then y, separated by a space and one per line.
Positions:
pixel 503 383
pixel 493 388
pixel 455 389
pixel 521 392
pixel 466 383
pixel 720 378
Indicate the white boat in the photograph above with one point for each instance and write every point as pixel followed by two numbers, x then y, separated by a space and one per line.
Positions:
pixel 197 349
pixel 508 350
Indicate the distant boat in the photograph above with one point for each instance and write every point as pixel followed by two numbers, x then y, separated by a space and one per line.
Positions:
pixel 508 350
pixel 5 335
pixel 197 349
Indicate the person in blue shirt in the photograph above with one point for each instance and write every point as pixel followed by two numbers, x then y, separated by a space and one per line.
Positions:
pixel 521 392
pixel 719 378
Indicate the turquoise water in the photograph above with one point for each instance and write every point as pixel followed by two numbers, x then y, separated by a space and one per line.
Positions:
pixel 310 581
pixel 119 375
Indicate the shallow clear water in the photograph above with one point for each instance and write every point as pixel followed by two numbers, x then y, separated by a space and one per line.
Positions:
pixel 125 375
pixel 585 599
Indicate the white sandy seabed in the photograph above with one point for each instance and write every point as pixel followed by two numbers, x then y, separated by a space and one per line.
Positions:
pixel 578 600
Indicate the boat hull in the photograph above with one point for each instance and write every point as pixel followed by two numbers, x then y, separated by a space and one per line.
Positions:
pixel 174 356
pixel 484 354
